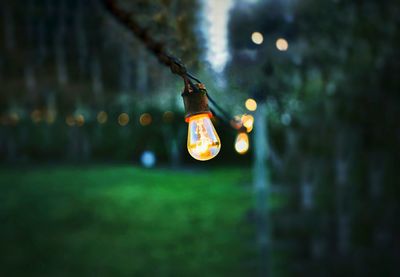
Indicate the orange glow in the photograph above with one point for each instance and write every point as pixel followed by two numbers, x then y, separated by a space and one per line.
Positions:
pixel 248 121
pixel 242 143
pixel 80 120
pixel 251 104
pixel 282 44
pixel 123 119
pixel 145 119
pixel 203 142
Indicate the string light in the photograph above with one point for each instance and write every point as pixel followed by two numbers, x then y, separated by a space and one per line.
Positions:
pixel 102 117
pixel 251 104
pixel 242 143
pixel 257 38
pixel 203 142
pixel 282 44
pixel 145 119
pixel 79 120
pixel 248 121
pixel 123 119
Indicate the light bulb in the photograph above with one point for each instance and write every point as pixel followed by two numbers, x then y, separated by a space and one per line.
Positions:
pixel 203 142
pixel 248 121
pixel 242 143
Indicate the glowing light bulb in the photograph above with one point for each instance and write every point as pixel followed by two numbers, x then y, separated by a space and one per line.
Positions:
pixel 248 121
pixel 251 104
pixel 242 143
pixel 282 44
pixel 203 142
pixel 257 38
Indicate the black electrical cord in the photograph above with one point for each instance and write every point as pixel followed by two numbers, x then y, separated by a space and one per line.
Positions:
pixel 192 77
pixel 222 113
pixel 157 48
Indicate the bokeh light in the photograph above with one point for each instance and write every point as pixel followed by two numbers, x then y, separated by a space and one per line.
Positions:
pixel 145 119
pixel 80 120
pixel 257 38
pixel 123 119
pixel 168 116
pixel 248 121
pixel 282 44
pixel 236 122
pixel 242 143
pixel 102 117
pixel 148 159
pixel 251 104
pixel 99 172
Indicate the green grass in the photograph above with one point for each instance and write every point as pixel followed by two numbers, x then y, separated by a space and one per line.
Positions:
pixel 125 221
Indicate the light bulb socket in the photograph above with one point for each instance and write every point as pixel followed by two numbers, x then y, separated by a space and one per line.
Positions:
pixel 195 101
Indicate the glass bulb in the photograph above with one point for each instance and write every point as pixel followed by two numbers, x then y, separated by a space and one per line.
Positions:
pixel 248 121
pixel 242 143
pixel 203 142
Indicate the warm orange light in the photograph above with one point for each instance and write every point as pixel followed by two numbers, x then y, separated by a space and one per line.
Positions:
pixel 251 104
pixel 102 117
pixel 203 142
pixel 248 121
pixel 242 143
pixel 257 38
pixel 145 119
pixel 123 119
pixel 80 120
pixel 282 44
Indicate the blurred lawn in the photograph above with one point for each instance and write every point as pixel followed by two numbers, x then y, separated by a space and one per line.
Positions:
pixel 125 221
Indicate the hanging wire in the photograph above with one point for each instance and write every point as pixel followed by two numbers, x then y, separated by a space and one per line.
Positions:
pixel 155 47
pixel 222 113
pixel 192 77
pixel 158 50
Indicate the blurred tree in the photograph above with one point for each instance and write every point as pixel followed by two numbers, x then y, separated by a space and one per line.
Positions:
pixel 334 128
